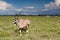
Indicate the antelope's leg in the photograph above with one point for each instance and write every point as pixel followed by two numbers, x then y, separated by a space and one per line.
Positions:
pixel 20 32
pixel 27 29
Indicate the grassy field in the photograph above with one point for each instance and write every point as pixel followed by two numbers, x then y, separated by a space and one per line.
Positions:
pixel 41 28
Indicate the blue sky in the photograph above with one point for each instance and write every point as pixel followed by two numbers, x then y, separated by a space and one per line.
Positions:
pixel 43 7
pixel 24 3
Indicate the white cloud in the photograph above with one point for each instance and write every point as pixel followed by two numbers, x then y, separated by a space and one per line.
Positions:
pixel 6 8
pixel 30 7
pixel 19 9
pixel 57 2
pixel 25 8
pixel 28 10
pixel 52 5
pixel 4 5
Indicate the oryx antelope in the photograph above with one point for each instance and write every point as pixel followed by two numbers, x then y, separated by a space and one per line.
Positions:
pixel 22 23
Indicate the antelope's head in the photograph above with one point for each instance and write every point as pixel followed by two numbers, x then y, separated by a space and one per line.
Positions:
pixel 16 21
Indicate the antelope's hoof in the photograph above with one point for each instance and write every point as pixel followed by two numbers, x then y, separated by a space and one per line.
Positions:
pixel 20 34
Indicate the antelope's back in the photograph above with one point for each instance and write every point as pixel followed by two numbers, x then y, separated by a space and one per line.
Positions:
pixel 22 23
pixel 28 21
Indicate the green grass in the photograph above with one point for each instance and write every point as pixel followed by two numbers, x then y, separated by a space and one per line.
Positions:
pixel 40 28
